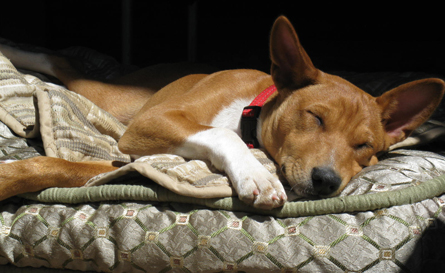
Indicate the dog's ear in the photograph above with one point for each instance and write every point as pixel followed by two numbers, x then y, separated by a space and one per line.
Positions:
pixel 406 107
pixel 291 66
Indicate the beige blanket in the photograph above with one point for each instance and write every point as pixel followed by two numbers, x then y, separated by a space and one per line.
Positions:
pixel 73 128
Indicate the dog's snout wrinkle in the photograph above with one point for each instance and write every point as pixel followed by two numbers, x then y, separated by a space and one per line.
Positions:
pixel 325 180
pixel 283 169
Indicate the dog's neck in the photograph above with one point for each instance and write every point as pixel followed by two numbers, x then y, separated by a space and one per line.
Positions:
pixel 250 124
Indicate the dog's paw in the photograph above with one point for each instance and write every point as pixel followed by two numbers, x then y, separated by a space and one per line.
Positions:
pixel 260 189
pixel 254 184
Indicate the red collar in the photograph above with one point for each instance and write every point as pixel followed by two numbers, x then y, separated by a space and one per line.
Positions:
pixel 250 116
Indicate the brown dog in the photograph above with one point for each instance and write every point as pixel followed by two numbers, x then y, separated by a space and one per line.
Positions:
pixel 319 128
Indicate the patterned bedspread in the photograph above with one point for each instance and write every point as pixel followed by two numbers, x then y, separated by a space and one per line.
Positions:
pixel 388 219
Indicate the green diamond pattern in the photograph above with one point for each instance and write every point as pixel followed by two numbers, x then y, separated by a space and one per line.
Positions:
pixel 150 238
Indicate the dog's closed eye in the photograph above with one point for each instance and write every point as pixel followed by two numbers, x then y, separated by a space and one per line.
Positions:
pixel 363 146
pixel 318 119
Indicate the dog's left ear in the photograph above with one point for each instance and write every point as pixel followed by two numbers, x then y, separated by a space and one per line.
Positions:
pixel 406 107
pixel 291 66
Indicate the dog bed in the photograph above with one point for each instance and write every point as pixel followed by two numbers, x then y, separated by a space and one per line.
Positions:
pixel 164 213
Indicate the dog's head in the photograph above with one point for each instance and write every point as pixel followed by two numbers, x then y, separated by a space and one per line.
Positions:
pixel 321 129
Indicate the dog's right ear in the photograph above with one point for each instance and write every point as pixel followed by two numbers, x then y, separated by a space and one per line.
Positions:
pixel 406 107
pixel 291 66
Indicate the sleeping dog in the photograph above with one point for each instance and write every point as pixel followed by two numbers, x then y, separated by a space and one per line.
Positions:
pixel 319 128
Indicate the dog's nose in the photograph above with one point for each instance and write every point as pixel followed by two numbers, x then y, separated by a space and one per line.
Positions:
pixel 325 180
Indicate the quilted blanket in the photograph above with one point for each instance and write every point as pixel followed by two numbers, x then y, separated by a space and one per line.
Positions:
pixel 73 128
pixel 145 217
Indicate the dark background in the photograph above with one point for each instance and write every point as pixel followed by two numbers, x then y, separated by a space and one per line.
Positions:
pixel 363 36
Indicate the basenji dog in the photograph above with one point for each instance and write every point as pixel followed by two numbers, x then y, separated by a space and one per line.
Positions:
pixel 319 128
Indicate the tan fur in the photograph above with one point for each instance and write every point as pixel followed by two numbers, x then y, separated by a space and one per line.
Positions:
pixel 185 107
pixel 38 173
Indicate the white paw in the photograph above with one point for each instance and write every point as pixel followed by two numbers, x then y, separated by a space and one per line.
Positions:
pixel 258 187
pixel 254 184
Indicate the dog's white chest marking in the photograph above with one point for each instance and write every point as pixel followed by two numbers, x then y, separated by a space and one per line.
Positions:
pixel 230 117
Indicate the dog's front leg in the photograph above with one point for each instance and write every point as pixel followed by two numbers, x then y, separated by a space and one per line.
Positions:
pixel 165 129
pixel 254 184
